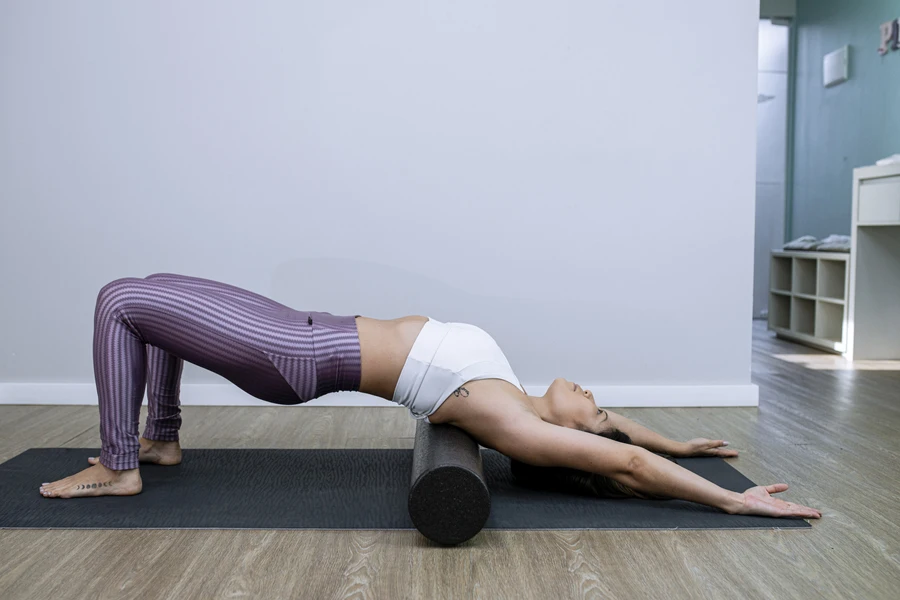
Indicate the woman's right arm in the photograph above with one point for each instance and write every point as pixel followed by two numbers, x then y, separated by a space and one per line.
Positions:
pixel 533 441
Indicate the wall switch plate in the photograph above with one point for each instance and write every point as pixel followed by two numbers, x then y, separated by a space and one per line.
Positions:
pixel 836 67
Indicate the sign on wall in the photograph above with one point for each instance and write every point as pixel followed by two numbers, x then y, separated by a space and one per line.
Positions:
pixel 836 67
pixel 890 36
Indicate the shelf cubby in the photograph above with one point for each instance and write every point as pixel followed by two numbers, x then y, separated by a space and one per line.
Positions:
pixel 808 298
pixel 780 273
pixel 829 321
pixel 832 279
pixel 803 315
pixel 804 276
pixel 780 311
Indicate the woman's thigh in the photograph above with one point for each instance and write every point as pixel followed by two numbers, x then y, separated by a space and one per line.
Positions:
pixel 239 341
pixel 220 288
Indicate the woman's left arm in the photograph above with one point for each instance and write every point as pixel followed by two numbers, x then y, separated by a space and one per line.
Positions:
pixel 654 442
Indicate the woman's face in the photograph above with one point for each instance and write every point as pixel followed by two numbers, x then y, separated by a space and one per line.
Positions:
pixel 574 406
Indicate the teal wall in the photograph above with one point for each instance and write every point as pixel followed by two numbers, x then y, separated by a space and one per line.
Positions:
pixel 850 125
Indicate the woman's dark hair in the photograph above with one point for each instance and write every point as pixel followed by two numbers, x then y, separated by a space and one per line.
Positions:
pixel 576 481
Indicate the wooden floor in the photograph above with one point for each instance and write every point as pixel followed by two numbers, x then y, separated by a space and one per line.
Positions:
pixel 829 431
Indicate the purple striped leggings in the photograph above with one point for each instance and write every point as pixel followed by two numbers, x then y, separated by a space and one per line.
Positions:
pixel 144 330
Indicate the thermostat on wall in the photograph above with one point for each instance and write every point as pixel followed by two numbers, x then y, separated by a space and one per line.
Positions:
pixel 836 67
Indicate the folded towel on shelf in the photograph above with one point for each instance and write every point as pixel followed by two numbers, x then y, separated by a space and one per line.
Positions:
pixel 833 243
pixel 806 242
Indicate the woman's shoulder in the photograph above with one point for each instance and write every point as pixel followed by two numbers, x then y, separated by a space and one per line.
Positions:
pixel 493 413
pixel 483 400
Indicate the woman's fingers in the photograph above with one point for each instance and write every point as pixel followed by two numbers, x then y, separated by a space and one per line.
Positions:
pixel 717 452
pixel 790 508
pixel 798 510
pixel 776 488
pixel 717 448
pixel 705 447
pixel 770 506
pixel 810 513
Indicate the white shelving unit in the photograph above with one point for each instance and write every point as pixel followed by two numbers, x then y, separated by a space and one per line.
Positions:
pixel 808 294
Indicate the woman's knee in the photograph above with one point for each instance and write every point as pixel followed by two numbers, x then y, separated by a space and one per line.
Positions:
pixel 114 293
pixel 161 276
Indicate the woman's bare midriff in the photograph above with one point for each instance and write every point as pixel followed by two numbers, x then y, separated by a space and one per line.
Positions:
pixel 384 346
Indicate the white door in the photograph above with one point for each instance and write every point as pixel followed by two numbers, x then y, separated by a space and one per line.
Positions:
pixel 771 154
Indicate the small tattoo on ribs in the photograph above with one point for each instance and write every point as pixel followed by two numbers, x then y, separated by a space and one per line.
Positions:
pixel 461 391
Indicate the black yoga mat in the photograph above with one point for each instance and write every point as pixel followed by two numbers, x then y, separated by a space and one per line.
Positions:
pixel 328 489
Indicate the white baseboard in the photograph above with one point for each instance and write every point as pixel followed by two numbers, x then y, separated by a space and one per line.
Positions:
pixel 214 394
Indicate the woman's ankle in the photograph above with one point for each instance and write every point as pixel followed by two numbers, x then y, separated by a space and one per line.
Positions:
pixel 159 440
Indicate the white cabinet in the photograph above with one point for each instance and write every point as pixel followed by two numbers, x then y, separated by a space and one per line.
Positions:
pixel 879 201
pixel 874 294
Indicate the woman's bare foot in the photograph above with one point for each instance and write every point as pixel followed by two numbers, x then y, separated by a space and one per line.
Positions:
pixel 95 481
pixel 154 451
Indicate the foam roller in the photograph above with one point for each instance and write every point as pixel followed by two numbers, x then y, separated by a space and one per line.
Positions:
pixel 449 501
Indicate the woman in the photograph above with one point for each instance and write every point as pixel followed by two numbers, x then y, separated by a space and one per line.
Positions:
pixel 449 373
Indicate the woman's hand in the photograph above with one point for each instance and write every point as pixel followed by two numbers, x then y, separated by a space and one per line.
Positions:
pixel 702 447
pixel 758 501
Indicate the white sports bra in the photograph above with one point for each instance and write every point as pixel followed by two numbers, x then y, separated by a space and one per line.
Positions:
pixel 444 357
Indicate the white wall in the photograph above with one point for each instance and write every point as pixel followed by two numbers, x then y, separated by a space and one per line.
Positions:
pixel 575 177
